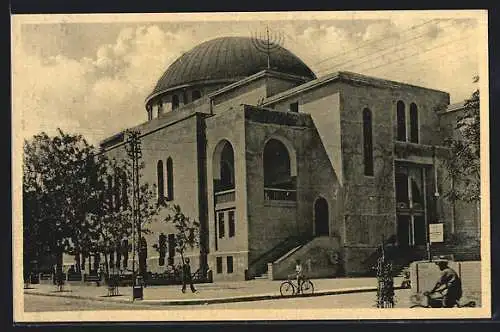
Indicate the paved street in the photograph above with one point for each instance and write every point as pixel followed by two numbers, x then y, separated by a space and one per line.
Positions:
pixel 34 303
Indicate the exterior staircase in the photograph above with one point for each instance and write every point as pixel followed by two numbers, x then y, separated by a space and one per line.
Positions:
pixel 319 257
pixel 258 267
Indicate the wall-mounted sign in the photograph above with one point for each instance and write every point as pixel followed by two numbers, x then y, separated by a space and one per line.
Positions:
pixel 436 233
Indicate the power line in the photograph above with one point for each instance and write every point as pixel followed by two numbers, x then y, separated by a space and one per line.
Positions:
pixel 404 57
pixel 422 61
pixel 373 41
pixel 415 53
pixel 382 51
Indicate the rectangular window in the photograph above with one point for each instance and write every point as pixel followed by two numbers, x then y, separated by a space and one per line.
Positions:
pixel 221 225
pixel 294 107
pixel 231 220
pixel 219 264
pixel 171 245
pixel 229 264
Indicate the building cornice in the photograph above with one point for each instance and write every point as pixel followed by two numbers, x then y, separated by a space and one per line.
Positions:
pixel 343 76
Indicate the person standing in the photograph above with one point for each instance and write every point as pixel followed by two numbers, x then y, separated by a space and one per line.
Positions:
pixel 186 276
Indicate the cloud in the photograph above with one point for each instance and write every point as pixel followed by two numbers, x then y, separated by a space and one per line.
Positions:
pixel 104 92
pixel 437 54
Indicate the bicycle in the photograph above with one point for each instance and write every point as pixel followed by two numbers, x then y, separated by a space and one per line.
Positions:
pixel 431 302
pixel 289 288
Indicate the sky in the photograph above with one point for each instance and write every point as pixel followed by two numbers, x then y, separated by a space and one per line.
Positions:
pixel 92 77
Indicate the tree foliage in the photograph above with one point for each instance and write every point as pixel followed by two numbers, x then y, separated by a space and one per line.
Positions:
pixel 464 161
pixel 187 230
pixel 55 188
pixel 76 200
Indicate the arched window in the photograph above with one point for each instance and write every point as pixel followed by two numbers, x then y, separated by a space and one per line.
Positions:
pixel 277 170
pixel 413 123
pixel 160 183
pixel 160 108
pixel 367 142
pixel 401 121
pixel 170 179
pixel 196 95
pixel 227 168
pixel 150 112
pixel 175 102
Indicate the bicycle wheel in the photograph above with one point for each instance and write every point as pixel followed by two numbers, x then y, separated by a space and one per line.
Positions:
pixel 307 287
pixel 287 289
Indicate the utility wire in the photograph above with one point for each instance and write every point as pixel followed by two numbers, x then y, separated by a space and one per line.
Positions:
pixel 384 51
pixel 373 41
pixel 413 54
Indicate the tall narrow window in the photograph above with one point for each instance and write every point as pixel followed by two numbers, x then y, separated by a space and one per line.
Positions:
pixel 170 179
pixel 160 108
pixel 219 264
pixel 231 221
pixel 171 245
pixel 175 102
pixel 401 121
pixel 150 112
pixel 160 183
pixel 222 231
pixel 413 123
pixel 367 142
pixel 229 264
pixel 196 95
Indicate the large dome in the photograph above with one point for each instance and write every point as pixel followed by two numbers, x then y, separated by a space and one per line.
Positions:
pixel 227 59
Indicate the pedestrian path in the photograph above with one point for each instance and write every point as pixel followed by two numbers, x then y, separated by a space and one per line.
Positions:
pixel 217 292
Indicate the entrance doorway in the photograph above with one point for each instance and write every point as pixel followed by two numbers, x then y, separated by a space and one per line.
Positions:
pixel 321 217
pixel 411 205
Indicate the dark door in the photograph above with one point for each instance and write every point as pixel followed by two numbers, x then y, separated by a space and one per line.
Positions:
pixel 321 217
pixel 404 230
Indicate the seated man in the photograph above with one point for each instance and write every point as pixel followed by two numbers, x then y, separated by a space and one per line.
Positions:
pixel 449 284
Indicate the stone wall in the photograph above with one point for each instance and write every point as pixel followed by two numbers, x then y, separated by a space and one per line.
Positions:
pixel 178 141
pixel 228 126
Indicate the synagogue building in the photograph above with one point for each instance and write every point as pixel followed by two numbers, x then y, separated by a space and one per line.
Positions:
pixel 278 164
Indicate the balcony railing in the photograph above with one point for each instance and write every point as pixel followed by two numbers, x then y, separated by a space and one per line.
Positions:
pixel 225 196
pixel 273 194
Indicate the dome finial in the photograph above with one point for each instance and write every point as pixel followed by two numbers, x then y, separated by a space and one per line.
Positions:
pixel 268 44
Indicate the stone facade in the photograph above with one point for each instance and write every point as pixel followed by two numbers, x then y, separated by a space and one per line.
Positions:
pixel 219 145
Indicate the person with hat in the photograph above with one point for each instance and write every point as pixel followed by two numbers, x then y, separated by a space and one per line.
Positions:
pixel 449 284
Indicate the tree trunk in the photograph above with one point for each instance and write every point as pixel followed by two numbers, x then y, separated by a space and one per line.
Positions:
pixel 77 262
pixel 107 265
pixel 59 265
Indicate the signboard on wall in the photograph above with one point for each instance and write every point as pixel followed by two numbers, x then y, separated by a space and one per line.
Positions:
pixel 436 233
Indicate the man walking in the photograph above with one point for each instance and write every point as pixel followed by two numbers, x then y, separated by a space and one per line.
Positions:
pixel 186 276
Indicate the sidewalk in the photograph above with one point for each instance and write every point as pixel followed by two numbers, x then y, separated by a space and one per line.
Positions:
pixel 219 292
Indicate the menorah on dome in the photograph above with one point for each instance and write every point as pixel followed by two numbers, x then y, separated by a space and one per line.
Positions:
pixel 267 43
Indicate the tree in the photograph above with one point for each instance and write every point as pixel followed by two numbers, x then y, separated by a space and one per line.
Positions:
pixel 187 230
pixel 112 215
pixel 464 163
pixel 55 188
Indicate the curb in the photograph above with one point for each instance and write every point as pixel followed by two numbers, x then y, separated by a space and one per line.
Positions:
pixel 246 298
